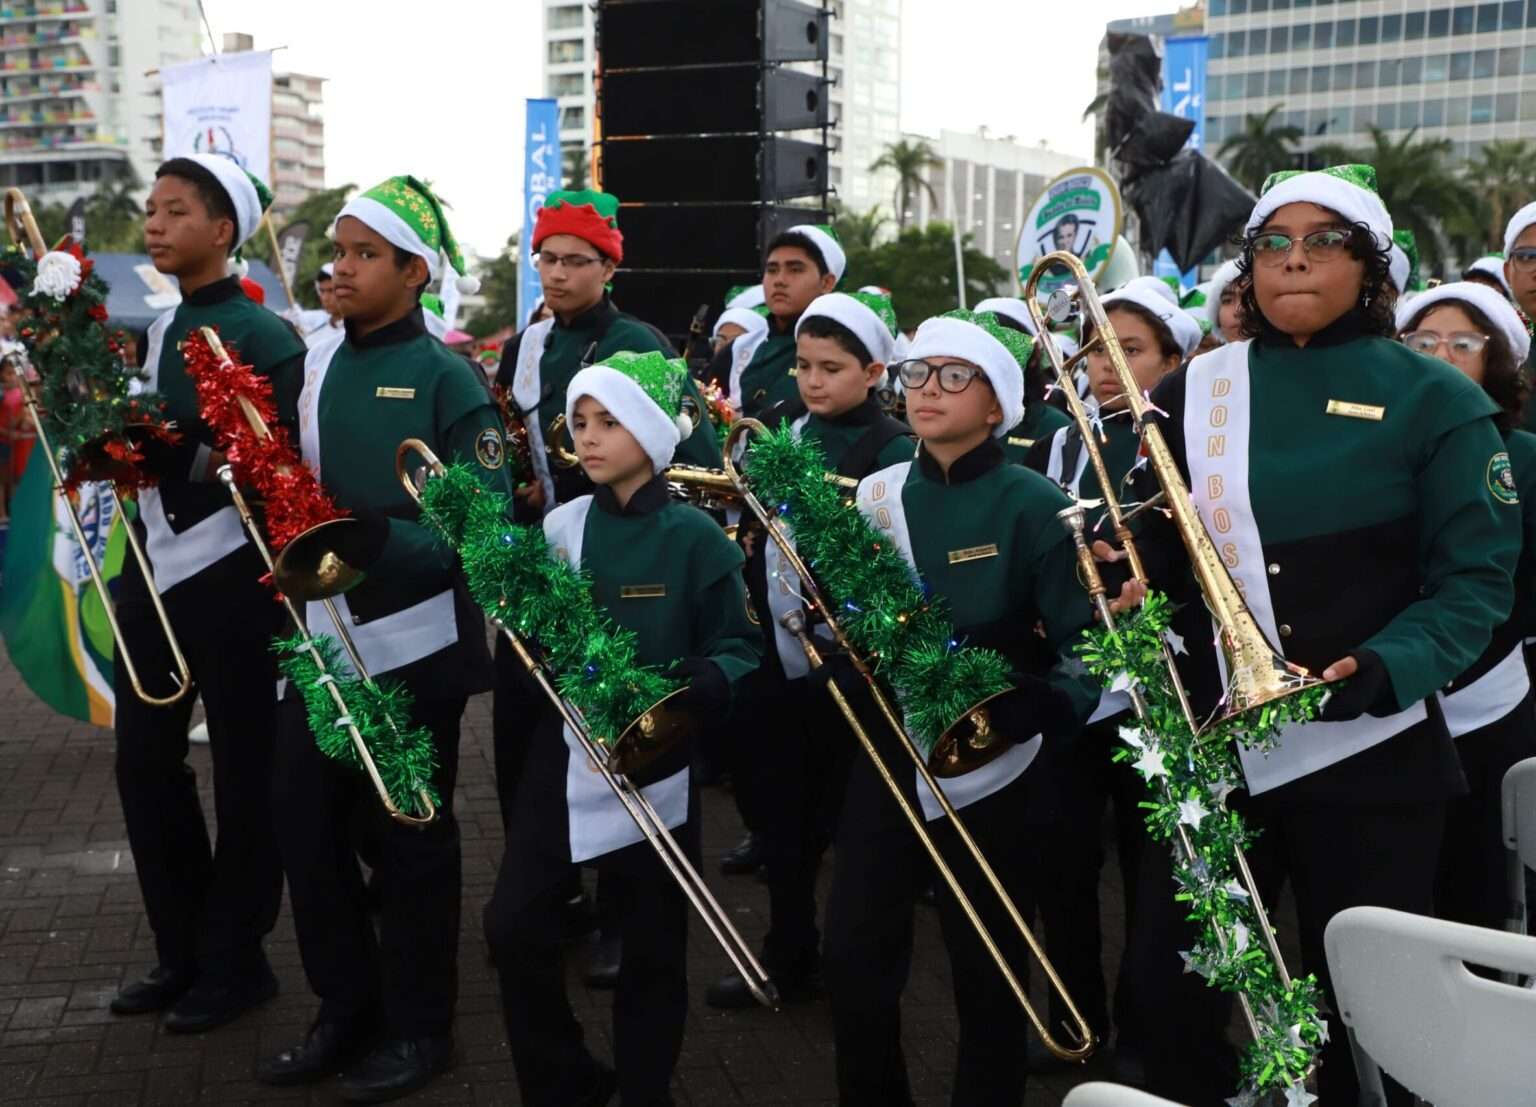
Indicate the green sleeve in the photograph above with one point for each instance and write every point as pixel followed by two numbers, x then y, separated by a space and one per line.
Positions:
pixel 1065 612
pixel 896 451
pixel 701 448
pixel 287 382
pixel 1469 541
pixel 721 630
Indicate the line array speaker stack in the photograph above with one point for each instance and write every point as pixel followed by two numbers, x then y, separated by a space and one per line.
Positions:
pixel 695 104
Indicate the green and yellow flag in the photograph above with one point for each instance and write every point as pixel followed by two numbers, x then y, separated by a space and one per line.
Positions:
pixel 51 616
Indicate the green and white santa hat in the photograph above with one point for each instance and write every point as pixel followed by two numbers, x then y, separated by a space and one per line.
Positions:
pixel 867 315
pixel 1496 308
pixel 999 352
pixel 1349 190
pixel 1404 265
pixel 248 196
pixel 1153 296
pixel 749 320
pixel 1016 311
pixel 408 215
pixel 824 238
pixel 747 296
pixel 644 392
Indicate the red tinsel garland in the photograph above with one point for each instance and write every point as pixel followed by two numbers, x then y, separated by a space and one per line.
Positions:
pixel 294 499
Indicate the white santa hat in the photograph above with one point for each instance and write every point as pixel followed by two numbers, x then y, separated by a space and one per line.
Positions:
pixel 242 189
pixel 1491 265
pixel 749 321
pixel 1016 310
pixel 858 317
pixel 946 336
pixel 1498 310
pixel 644 392
pixel 1153 295
pixel 748 298
pixel 831 250
pixel 1517 226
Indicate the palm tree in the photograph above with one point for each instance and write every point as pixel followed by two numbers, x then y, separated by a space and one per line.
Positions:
pixel 1504 178
pixel 577 167
pixel 1259 149
pixel 1422 192
pixel 856 231
pixel 909 160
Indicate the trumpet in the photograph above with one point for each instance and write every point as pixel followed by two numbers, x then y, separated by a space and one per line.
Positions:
pixel 646 738
pixel 323 575
pixel 1259 674
pixel 968 743
pixel 22 228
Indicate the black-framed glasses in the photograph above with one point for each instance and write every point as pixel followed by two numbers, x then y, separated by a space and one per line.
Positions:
pixel 573 262
pixel 1461 345
pixel 1271 248
pixel 954 376
pixel 1524 258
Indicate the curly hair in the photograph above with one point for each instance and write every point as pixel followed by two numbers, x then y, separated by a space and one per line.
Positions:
pixel 1374 312
pixel 1502 378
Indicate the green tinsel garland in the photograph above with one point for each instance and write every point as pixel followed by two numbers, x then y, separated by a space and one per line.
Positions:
pixel 402 753
pixel 1198 774
pixel 515 578
pixel 885 611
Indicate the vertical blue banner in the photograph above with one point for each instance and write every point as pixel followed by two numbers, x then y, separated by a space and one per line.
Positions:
pixel 541 176
pixel 1184 96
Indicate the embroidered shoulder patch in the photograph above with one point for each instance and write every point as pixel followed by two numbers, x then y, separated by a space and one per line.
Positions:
pixel 1501 479
pixel 490 450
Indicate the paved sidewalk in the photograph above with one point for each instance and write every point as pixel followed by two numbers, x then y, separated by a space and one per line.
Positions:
pixel 72 930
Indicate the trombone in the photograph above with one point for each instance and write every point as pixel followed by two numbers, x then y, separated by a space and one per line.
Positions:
pixel 642 741
pixel 333 577
pixel 1259 674
pixel 966 744
pixel 23 229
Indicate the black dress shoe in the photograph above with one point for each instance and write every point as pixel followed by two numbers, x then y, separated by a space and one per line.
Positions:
pixel 212 1003
pixel 396 1068
pixel 730 992
pixel 578 918
pixel 329 1045
pixel 155 991
pixel 744 858
pixel 603 964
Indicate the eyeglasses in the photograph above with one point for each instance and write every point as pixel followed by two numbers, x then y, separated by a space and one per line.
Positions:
pixel 1524 258
pixel 1461 345
pixel 1321 247
pixel 573 262
pixel 954 376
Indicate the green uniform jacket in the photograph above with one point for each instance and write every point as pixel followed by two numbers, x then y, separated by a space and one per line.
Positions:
pixel 769 378
pixel 1040 421
pixel 363 398
pixel 1119 445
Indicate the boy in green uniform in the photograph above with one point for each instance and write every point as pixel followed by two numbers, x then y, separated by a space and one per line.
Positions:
pixel 758 370
pixel 209 905
pixel 984 536
pixel 413 623
pixel 665 571
pixel 786 785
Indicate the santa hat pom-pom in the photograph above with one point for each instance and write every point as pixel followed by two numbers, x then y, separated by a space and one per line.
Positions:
pixel 684 425
pixel 467 285
pixel 239 267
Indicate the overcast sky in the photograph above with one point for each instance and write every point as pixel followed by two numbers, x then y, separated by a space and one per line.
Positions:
pixel 437 89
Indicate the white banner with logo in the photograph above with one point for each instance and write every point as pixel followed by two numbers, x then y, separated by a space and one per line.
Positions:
pixel 221 105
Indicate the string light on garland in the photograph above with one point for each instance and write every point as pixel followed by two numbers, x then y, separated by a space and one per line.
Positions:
pixel 515 577
pixel 1189 779
pixel 888 614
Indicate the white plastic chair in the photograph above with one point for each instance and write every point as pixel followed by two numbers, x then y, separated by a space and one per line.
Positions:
pixel 1411 1006
pixel 1519 837
pixel 1098 1094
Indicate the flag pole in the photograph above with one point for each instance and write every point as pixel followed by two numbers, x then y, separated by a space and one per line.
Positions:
pixel 277 258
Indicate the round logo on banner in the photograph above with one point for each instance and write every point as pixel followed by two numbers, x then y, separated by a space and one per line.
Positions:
pixel 1079 212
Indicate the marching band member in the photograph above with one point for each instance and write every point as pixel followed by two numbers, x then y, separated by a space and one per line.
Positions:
pixel 210 904
pixel 320 324
pixel 1358 491
pixel 733 324
pixel 1041 420
pixel 1520 275
pixel 1225 301
pixel 842 349
pixel 666 571
pixel 1487 708
pixel 387 997
pixel 984 536
pixel 758 370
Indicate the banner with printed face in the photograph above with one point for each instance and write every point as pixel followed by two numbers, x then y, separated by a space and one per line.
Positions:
pixel 1079 212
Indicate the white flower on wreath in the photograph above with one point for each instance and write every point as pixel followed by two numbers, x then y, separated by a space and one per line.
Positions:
pixel 58 275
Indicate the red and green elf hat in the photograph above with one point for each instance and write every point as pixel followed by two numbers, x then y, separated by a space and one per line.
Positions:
pixel 592 216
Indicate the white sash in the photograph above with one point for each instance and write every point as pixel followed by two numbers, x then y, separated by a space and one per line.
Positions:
pixel 317 363
pixel 527 384
pixel 596 822
pixel 1488 698
pixel 783 585
pixel 879 499
pixel 742 352
pixel 1217 418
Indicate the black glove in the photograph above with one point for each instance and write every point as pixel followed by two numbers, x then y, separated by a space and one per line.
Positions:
pixel 1038 707
pixel 1369 691
pixel 708 691
pixel 164 459
pixel 361 542
pixel 838 669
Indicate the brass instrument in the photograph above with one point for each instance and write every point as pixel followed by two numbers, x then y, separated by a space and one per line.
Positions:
pixel 655 731
pixel 1259 674
pixel 325 575
pixel 22 228
pixel 967 744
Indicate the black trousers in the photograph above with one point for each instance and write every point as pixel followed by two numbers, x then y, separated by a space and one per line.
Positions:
pixel 1334 857
pixel 880 870
pixel 210 903
pixel 406 974
pixel 1471 887
pixel 650 1004
pixel 1071 859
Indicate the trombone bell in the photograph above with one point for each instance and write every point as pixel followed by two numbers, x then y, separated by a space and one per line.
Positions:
pixel 656 732
pixel 309 568
pixel 970 741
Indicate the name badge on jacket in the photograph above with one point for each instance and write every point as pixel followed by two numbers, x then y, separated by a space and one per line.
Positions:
pixel 383 393
pixel 642 591
pixel 973 553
